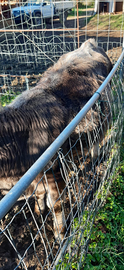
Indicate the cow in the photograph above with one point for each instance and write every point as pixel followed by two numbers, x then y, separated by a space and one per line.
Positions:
pixel 36 117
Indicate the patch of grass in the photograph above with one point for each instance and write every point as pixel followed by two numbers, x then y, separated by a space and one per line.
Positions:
pixel 112 22
pixel 83 4
pixel 106 244
pixel 101 22
pixel 73 12
pixel 82 8
pixel 106 248
pixel 7 98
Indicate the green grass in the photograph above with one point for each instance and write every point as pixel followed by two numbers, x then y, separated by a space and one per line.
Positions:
pixel 112 22
pixel 106 247
pixel 7 98
pixel 106 242
pixel 73 12
pixel 102 21
pixel 81 9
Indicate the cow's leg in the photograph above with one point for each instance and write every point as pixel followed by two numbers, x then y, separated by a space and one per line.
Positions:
pixel 95 151
pixel 54 201
pixel 40 192
pixel 40 204
pixel 52 186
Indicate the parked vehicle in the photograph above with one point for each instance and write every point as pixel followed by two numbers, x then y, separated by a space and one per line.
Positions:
pixel 39 10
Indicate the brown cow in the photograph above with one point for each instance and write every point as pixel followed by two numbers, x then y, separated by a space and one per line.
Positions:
pixel 36 117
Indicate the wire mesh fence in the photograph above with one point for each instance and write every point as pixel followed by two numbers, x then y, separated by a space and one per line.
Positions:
pixel 49 226
pixel 29 45
pixel 58 230
pixel 27 49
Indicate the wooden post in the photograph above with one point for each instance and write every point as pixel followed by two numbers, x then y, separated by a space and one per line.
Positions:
pixel 77 24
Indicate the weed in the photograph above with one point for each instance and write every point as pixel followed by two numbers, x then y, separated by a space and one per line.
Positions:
pixel 107 238
pixel 7 98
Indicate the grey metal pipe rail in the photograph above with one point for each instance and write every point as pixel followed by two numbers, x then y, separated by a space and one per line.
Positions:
pixel 9 200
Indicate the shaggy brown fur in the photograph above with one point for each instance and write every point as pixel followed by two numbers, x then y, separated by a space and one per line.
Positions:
pixel 34 119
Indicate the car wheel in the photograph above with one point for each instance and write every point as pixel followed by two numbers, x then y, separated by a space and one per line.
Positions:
pixel 38 20
pixel 63 17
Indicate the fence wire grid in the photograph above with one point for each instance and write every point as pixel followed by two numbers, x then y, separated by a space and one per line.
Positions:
pixel 39 241
pixel 57 238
